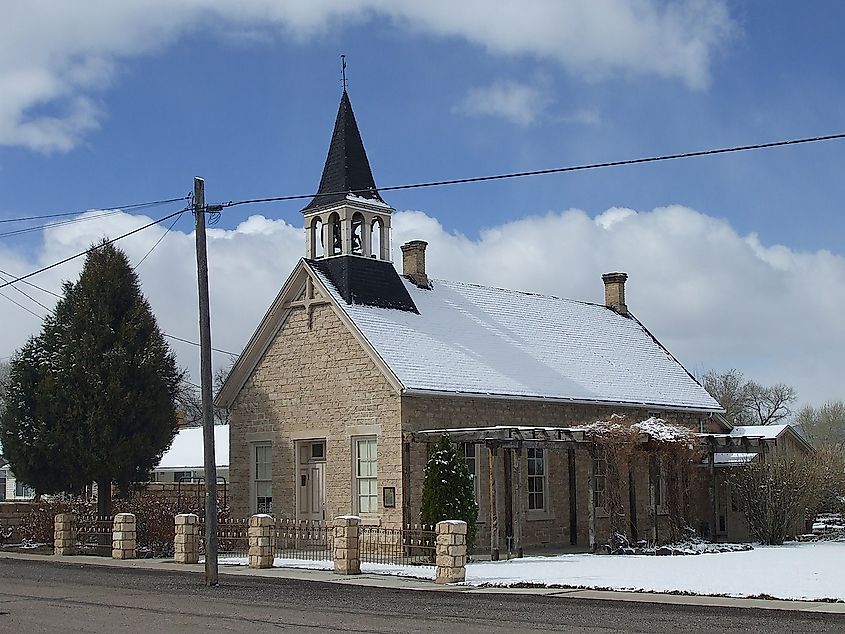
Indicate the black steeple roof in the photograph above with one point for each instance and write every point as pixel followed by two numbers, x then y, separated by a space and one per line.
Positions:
pixel 347 168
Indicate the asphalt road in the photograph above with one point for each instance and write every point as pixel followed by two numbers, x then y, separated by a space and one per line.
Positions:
pixel 46 596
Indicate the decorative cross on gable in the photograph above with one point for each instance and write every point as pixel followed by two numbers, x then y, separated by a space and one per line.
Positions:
pixel 309 300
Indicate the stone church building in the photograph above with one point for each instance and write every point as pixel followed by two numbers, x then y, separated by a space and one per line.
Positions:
pixel 355 367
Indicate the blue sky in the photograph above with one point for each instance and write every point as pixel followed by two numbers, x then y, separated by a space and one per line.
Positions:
pixel 126 104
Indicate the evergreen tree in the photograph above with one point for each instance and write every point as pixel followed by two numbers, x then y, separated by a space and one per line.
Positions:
pixel 448 491
pixel 91 398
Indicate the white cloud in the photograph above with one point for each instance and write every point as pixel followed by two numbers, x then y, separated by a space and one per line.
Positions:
pixel 715 298
pixel 56 55
pixel 519 103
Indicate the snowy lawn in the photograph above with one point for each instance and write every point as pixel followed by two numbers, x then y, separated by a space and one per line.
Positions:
pixel 795 571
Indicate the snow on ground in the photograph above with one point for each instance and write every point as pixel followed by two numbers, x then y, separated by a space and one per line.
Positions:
pixel 794 571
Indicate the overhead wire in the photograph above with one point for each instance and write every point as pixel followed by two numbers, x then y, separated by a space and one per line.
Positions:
pixel 152 248
pixel 130 206
pixel 553 170
pixel 92 249
pixel 194 343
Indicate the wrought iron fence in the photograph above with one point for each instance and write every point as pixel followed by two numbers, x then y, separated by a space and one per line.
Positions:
pixel 411 545
pixel 232 538
pixel 94 535
pixel 302 539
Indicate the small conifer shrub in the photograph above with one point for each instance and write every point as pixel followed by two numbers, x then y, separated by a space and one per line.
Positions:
pixel 448 490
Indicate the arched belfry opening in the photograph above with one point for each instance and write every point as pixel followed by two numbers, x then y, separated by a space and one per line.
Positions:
pixel 347 216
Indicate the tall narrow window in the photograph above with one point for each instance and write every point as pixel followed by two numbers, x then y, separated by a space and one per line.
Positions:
pixel 366 467
pixel 536 480
pixel 376 235
pixel 468 449
pixel 599 479
pixel 263 479
pixel 2 488
pixel 335 245
pixel 318 247
pixel 358 233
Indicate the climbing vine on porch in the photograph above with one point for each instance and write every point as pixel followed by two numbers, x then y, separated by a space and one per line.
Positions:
pixel 621 444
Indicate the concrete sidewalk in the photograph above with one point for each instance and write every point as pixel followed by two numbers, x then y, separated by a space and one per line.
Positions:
pixel 405 583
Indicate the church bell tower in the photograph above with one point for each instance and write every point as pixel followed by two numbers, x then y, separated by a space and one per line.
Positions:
pixel 347 216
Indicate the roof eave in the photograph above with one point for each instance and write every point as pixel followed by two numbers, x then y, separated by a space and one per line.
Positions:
pixel 411 392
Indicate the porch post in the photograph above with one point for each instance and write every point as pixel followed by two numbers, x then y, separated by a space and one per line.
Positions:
pixel 406 482
pixel 573 497
pixel 494 513
pixel 591 507
pixel 520 502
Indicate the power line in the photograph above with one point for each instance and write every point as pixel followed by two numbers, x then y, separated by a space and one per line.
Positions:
pixel 146 255
pixel 553 170
pixel 17 232
pixel 19 305
pixel 94 248
pixel 194 343
pixel 111 208
pixel 29 297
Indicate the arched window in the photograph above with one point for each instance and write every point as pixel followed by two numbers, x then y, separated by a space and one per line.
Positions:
pixel 318 249
pixel 377 235
pixel 335 246
pixel 358 233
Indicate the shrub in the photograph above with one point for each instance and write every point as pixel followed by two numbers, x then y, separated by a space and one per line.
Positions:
pixel 448 492
pixel 777 493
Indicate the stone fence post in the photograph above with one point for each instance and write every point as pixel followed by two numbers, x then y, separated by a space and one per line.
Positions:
pixel 346 547
pixel 186 542
pixel 451 551
pixel 64 536
pixel 261 541
pixel 123 536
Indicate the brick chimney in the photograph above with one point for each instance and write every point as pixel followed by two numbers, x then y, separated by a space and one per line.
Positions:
pixel 614 292
pixel 413 262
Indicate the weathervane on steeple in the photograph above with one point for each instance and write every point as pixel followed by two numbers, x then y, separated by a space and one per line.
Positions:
pixel 343 70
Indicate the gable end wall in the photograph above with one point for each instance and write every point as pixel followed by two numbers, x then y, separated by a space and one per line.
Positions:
pixel 311 381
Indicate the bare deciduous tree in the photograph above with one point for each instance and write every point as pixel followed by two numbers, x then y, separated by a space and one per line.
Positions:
pixel 824 426
pixel 190 401
pixel 747 402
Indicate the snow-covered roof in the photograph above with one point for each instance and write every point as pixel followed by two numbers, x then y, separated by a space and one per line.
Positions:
pixel 481 340
pixel 766 432
pixel 186 452
pixel 733 458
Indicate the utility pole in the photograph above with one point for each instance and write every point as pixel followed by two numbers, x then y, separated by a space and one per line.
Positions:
pixel 211 578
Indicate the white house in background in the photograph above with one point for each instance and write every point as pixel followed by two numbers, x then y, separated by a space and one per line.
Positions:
pixel 183 462
pixel 10 489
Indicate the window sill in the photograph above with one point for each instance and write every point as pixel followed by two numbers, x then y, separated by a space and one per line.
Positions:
pixel 538 516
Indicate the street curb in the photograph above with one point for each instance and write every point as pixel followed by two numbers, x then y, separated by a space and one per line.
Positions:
pixel 406 583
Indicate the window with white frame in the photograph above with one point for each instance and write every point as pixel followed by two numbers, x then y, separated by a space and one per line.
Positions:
pixel 2 487
pixel 599 479
pixel 366 475
pixel 469 451
pixel 263 478
pixel 536 479
pixel 23 491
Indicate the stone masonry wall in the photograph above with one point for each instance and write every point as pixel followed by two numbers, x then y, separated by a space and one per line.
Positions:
pixel 316 382
pixel 552 526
